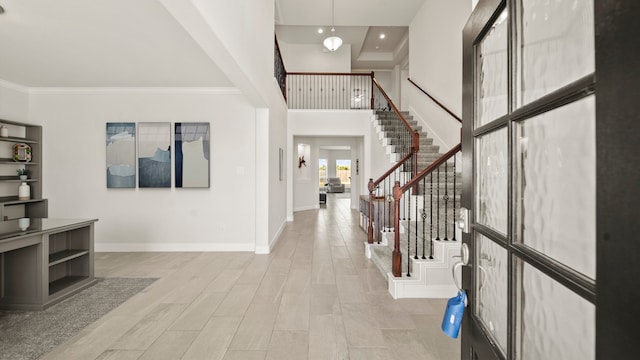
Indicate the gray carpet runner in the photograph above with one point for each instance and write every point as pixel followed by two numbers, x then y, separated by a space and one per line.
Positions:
pixel 26 335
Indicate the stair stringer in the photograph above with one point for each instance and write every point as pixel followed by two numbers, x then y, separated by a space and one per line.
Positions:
pixel 430 278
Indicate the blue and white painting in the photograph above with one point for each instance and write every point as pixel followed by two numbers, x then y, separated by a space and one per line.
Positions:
pixel 121 155
pixel 154 155
pixel 192 155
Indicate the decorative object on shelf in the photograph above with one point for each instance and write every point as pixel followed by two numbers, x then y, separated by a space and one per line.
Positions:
pixel 301 161
pixel 23 174
pixel 24 191
pixel 192 154
pixel 24 223
pixel 4 131
pixel 21 152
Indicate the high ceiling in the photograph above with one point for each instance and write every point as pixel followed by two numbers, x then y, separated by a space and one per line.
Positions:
pixel 77 43
pixel 124 43
pixel 358 22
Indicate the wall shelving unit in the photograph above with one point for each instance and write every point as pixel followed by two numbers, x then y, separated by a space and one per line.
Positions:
pixel 10 207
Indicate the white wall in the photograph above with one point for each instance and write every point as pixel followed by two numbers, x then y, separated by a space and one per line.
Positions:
pixel 239 38
pixel 328 124
pixel 315 58
pixel 306 180
pixel 14 102
pixel 385 79
pixel 277 189
pixel 435 40
pixel 219 218
pixel 337 155
pixel 246 28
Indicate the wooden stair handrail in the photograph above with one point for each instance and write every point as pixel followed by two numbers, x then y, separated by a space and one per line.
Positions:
pixel 398 191
pixel 329 73
pixel 371 186
pixel 436 101
pixel 434 165
pixel 395 109
pixel 390 171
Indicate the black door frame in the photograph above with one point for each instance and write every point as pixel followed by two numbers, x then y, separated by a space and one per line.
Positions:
pixel 617 178
pixel 616 292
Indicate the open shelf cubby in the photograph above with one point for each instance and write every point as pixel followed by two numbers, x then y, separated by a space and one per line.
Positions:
pixel 31 135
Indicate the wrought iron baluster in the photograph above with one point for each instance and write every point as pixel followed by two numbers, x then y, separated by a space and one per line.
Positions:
pixel 453 217
pixel 409 234
pixel 385 212
pixel 424 215
pixel 438 205
pixel 416 232
pixel 389 192
pixel 431 219
pixel 446 199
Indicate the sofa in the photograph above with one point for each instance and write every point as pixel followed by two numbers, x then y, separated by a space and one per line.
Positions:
pixel 334 185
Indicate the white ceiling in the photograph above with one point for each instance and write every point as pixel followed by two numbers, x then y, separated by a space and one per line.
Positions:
pixel 125 43
pixel 100 43
pixel 357 22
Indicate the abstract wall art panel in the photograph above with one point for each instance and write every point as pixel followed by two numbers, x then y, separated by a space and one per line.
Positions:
pixel 121 155
pixel 192 155
pixel 154 155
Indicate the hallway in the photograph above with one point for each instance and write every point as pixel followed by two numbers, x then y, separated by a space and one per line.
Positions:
pixel 315 296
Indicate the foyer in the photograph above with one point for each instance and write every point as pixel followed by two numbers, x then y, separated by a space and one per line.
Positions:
pixel 315 296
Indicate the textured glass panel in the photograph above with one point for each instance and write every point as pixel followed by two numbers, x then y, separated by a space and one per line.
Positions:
pixel 491 180
pixel 492 275
pixel 553 322
pixel 556 41
pixel 556 184
pixel 492 73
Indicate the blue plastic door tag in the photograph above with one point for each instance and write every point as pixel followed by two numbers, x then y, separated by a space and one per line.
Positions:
pixel 453 314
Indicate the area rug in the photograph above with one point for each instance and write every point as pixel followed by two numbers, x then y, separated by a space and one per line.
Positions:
pixel 26 335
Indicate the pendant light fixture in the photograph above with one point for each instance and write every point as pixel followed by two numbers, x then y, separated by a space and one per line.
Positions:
pixel 332 43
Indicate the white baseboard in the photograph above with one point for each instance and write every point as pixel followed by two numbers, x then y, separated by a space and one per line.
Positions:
pixel 263 250
pixel 430 278
pixel 303 208
pixel 173 247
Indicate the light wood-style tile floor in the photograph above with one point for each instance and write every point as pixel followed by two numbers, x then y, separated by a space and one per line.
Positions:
pixel 315 296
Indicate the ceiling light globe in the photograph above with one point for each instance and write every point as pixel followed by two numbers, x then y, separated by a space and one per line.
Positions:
pixel 332 43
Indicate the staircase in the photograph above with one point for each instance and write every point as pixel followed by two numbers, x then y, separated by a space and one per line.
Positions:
pixel 429 269
pixel 388 128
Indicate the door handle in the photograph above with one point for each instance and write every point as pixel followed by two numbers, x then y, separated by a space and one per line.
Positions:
pixel 464 260
pixel 464 254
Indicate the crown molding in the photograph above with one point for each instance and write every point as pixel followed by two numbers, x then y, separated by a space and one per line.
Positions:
pixel 134 90
pixel 13 86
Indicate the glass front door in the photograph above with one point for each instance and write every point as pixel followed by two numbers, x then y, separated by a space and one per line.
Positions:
pixel 529 145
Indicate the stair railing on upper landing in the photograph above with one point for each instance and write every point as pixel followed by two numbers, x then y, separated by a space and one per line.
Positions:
pixel 279 71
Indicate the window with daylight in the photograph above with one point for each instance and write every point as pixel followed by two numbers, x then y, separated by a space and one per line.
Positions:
pixel 343 171
pixel 322 172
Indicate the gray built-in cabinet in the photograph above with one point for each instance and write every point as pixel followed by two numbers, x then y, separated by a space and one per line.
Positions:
pixel 10 206
pixel 42 260
pixel 44 263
